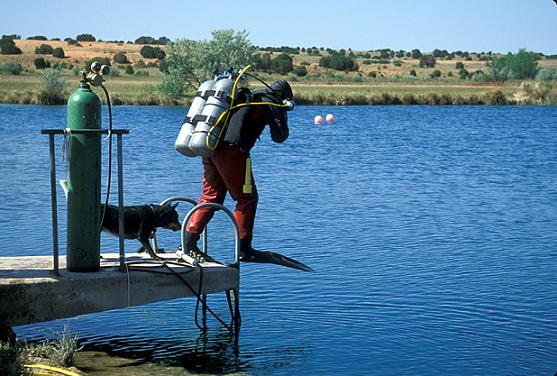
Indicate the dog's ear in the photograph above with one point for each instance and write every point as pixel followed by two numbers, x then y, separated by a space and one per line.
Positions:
pixel 174 206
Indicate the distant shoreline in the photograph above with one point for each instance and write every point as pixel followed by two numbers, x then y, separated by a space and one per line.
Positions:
pixel 378 81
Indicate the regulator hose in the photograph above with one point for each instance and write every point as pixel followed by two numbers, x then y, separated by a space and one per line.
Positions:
pixel 109 138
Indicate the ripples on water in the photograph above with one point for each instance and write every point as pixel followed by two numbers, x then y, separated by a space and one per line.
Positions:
pixel 432 231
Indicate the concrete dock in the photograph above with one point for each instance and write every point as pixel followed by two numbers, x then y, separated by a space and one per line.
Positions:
pixel 29 293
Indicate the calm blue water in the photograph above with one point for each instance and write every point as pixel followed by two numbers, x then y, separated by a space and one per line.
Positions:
pixel 432 232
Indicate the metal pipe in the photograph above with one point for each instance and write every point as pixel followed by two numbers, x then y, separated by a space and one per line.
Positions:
pixel 54 204
pixel 154 242
pixel 121 204
pixel 230 215
pixel 237 318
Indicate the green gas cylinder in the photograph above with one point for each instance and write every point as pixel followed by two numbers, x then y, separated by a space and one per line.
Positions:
pixel 84 182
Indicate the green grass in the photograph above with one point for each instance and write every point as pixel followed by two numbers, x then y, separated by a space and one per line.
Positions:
pixel 331 88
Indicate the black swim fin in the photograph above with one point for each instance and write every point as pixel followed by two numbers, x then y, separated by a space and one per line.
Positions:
pixel 266 257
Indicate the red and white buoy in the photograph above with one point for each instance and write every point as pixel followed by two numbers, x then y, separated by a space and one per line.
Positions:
pixel 318 120
pixel 330 118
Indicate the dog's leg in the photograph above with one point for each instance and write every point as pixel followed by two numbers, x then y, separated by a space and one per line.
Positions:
pixel 149 249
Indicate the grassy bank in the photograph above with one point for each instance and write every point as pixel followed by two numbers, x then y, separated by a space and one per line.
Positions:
pixel 132 90
pixel 22 358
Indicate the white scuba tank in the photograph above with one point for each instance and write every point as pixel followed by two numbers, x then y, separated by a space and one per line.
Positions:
pixel 188 126
pixel 205 136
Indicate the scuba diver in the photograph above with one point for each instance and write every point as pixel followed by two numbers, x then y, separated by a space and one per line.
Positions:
pixel 228 167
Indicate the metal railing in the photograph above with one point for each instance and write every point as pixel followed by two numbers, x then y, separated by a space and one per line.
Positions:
pixel 53 198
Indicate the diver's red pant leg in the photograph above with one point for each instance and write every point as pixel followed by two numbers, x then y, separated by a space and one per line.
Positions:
pixel 225 171
pixel 230 161
pixel 214 190
pixel 231 164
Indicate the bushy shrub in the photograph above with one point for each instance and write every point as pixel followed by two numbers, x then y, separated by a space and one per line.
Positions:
pixel 11 36
pixel 145 40
pixel 72 41
pixel 53 87
pixel 114 72
pixel 37 37
pixel 479 75
pixel 459 65
pixel 121 58
pixel 338 62
pixel 435 74
pixel 372 74
pixel 427 61
pixel 282 64
pixel 463 74
pixel 140 64
pixel 44 49
pixel 291 77
pixel 150 52
pixel 58 53
pixel 41 63
pixel 547 74
pixel 11 67
pixel 497 98
pixel 7 47
pixel 129 69
pixel 413 72
pixel 300 71
pixel 151 40
pixel 416 54
pixel 263 62
pixel 85 38
pixel 142 73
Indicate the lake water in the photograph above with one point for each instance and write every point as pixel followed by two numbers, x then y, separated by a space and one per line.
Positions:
pixel 432 232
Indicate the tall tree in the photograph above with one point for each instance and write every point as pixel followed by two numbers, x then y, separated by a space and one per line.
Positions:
pixel 191 62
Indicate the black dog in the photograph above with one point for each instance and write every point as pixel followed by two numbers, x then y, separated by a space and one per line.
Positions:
pixel 141 221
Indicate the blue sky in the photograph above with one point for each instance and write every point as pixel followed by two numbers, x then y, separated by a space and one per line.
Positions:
pixel 471 25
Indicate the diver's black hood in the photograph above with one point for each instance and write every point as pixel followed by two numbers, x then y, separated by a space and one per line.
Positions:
pixel 282 89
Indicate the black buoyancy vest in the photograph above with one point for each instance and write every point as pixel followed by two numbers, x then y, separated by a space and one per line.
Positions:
pixel 247 123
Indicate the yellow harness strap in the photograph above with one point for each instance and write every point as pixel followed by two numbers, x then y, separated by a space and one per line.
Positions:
pixel 247 182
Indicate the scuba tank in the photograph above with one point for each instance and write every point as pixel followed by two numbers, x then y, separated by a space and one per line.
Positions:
pixel 205 136
pixel 188 126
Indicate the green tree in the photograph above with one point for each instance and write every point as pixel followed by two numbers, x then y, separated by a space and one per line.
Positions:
pixel 149 52
pixel 416 54
pixel 145 40
pixel 85 38
pixel 191 62
pixel 338 62
pixel 523 65
pixel 282 64
pixel 7 47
